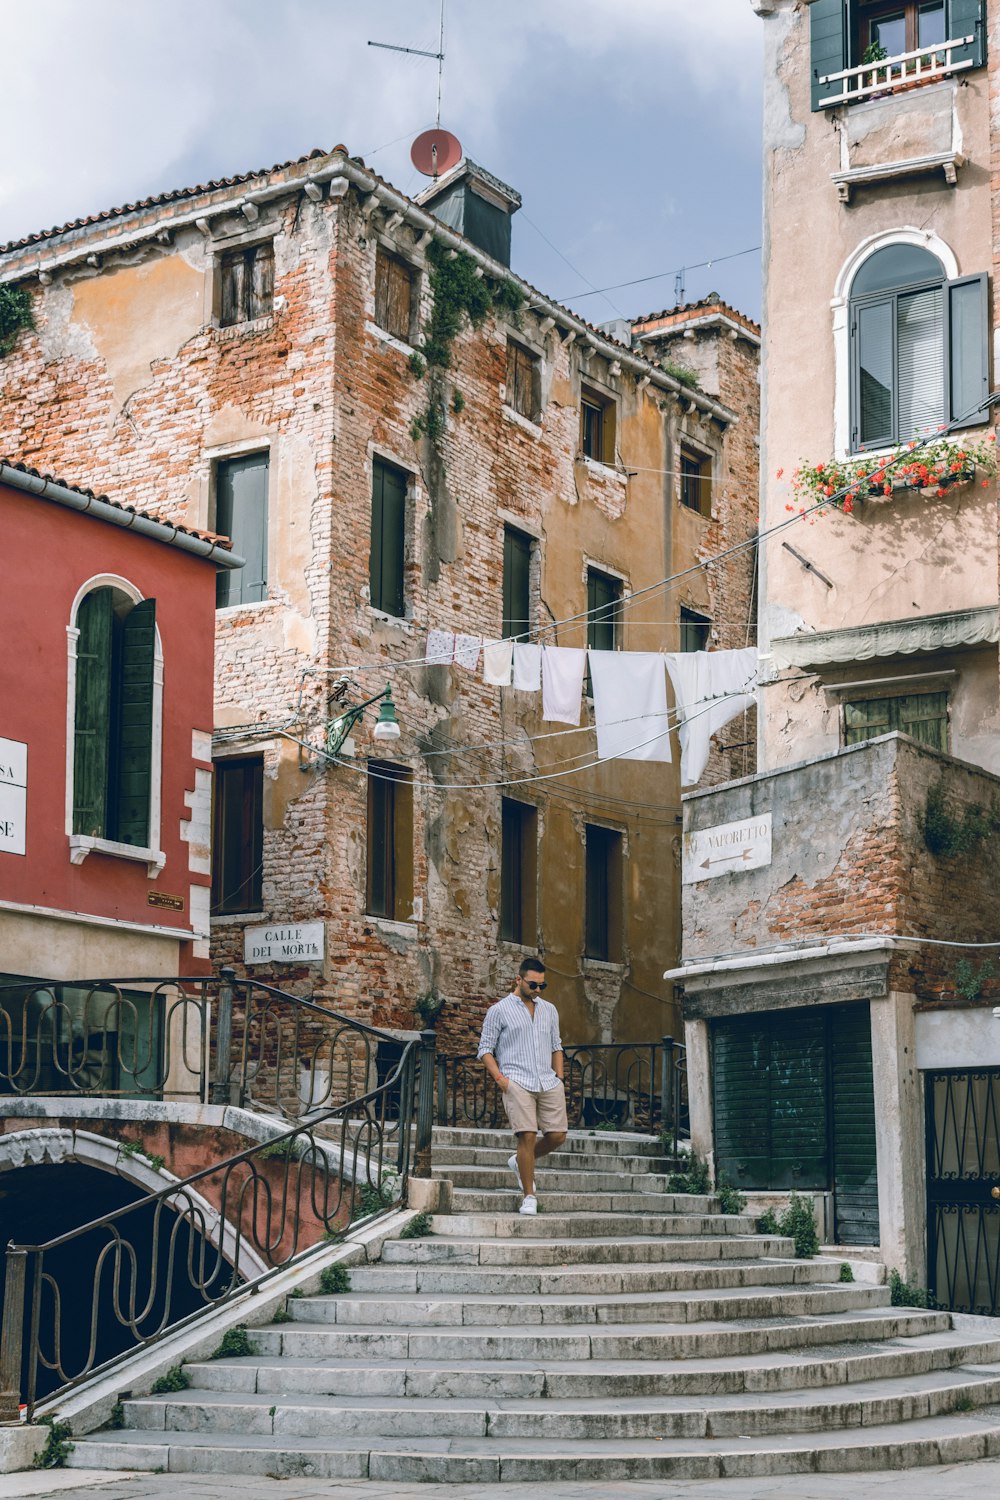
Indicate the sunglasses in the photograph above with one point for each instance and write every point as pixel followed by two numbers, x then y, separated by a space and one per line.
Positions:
pixel 533 985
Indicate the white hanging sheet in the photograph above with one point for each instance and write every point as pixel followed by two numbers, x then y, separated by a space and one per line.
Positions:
pixel 710 689
pixel 498 663
pixel 563 668
pixel 440 649
pixel 630 705
pixel 467 649
pixel 527 671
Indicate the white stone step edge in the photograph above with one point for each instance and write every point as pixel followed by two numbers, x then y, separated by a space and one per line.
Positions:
pixel 88 1406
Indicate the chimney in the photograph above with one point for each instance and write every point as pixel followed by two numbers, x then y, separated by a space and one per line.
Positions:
pixel 476 204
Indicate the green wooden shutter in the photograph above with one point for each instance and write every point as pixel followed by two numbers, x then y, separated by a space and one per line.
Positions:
pixel 967 18
pixel 829 46
pixel 241 514
pixel 967 348
pixel 741 1056
pixel 873 373
pixel 92 718
pixel 133 757
pixel 855 1178
pixel 387 539
pixel 516 584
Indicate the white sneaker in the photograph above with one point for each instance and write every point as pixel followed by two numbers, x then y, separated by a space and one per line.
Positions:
pixel 529 1206
pixel 512 1163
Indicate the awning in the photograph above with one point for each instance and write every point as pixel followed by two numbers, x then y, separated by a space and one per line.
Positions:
pixel 950 632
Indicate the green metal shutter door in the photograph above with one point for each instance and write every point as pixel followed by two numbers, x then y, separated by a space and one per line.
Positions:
pixel 741 1055
pixel 828 42
pixel 966 18
pixel 854 1168
pixel 799 1146
pixel 92 719
pixel 134 758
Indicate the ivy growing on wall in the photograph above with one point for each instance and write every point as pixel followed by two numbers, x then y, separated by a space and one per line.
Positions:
pixel 946 835
pixel 15 314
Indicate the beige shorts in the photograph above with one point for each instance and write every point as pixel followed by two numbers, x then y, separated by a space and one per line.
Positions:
pixel 544 1112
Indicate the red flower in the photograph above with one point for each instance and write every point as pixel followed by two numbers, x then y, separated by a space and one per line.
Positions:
pixel 789 507
pixel 940 492
pixel 780 473
pixel 887 489
pixel 956 468
pixel 828 490
pixel 820 468
pixel 848 505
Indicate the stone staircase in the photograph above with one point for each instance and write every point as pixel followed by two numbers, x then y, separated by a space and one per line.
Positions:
pixel 621 1334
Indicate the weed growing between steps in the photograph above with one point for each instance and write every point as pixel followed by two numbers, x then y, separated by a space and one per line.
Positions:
pixel 697 1178
pixel 57 1445
pixel 116 1418
pixel 797 1223
pixel 767 1223
pixel 176 1379
pixel 731 1200
pixel 846 1274
pixel 902 1294
pixel 235 1345
pixel 334 1279
pixel 418 1228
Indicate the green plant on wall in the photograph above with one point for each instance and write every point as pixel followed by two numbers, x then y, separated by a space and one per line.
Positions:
pixel 946 835
pixel 969 980
pixel 15 314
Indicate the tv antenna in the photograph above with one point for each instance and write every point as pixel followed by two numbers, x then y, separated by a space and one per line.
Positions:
pixel 421 52
pixel 679 288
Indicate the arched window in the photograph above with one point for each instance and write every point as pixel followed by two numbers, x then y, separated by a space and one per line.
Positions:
pixel 919 350
pixel 113 720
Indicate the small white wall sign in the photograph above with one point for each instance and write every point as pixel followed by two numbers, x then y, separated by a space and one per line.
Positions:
pixel 291 943
pixel 727 848
pixel 13 796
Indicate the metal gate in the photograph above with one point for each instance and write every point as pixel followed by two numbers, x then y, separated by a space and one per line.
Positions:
pixel 963 1188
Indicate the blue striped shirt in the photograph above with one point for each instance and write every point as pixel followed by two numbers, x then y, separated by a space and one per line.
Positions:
pixel 523 1045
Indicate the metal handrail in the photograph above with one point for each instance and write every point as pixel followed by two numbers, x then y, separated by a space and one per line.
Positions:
pixel 216 1235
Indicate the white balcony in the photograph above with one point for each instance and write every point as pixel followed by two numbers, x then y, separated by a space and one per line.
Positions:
pixel 894 75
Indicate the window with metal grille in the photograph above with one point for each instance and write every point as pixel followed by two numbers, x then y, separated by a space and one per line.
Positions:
pixel 388 539
pixel 523 385
pixel 597 426
pixel 918 345
pixel 113 717
pixel 238 835
pixel 603 916
pixel 696 481
pixel 241 514
pixel 394 287
pixel 517 547
pixel 390 841
pixel 924 716
pixel 518 871
pixel 696 630
pixel 247 284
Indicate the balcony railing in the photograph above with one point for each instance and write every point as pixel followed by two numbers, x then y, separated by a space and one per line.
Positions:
pixel 895 74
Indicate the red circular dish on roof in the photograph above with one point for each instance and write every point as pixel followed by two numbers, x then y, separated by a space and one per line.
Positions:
pixel 436 151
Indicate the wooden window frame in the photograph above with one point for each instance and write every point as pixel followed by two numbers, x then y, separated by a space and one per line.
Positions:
pixel 604 620
pixel 598 425
pixel 246 283
pixel 390 511
pixel 389 840
pixel 248 534
pixel 518 872
pixel 523 382
pixel 244 823
pixel 694 480
pixel 894 717
pixel 391 272
pixel 604 859
pixel 692 621
pixel 867 14
pixel 518 556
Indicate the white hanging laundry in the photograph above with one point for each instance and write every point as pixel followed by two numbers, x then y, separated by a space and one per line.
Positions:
pixel 710 689
pixel 440 648
pixel 562 683
pixel 527 667
pixel 498 662
pixel 630 705
pixel 467 649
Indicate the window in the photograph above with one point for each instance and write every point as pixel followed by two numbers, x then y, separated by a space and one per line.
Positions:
pixel 696 630
pixel 388 541
pixel 924 716
pixel 899 27
pixel 604 600
pixel 238 835
pixel 113 718
pixel 394 295
pixel 597 426
pixel 518 871
pixel 603 938
pixel 516 584
pixel 696 481
pixel 523 385
pixel 390 841
pixel 241 514
pixel 919 354
pixel 247 277
pixel 842 31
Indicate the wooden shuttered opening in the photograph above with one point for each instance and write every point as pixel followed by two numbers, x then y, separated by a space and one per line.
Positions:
pixel 241 503
pixel 855 1180
pixel 393 295
pixel 390 841
pixel 131 783
pixel 603 893
pixel 516 584
pixel 522 381
pixel 238 835
pixel 518 870
pixel 388 539
pixel 247 284
pixel 828 41
pixel 92 718
pixel 968 18
pixel 968 350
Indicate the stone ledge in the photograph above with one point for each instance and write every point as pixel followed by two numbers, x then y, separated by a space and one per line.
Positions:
pixel 947 162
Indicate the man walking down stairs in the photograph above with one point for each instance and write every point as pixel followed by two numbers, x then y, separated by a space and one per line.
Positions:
pixel 624 1333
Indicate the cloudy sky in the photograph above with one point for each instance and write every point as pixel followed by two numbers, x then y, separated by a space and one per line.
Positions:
pixel 630 127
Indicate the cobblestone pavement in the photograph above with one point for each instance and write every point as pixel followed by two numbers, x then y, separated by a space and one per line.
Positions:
pixel 976 1481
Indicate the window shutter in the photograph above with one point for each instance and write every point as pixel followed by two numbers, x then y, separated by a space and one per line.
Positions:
pixel 241 514
pixel 233 282
pixel 381 288
pixel 828 41
pixel 967 18
pixel 387 540
pixel 968 322
pixel 872 340
pixel 262 290
pixel 398 322
pixel 516 584
pixel 92 719
pixel 855 1179
pixel 134 758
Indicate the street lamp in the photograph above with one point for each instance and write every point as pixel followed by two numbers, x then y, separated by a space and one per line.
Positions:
pixel 387 727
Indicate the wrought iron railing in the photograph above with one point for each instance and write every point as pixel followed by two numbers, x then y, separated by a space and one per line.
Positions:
pixel 639 1086
pixel 85 1300
pixel 963 1188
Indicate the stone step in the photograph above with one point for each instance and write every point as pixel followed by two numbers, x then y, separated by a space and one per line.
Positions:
pixel 582 1161
pixel 761 1373
pixel 558 1178
pixel 469 1201
pixel 587 1143
pixel 630 1250
pixel 586 1281
pixel 587 1225
pixel 403 1310
pixel 628 1341
pixel 933 1440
